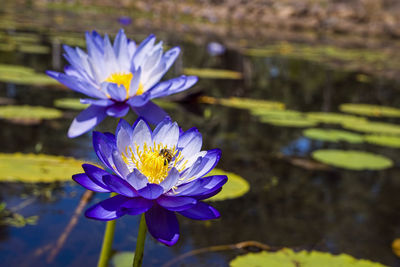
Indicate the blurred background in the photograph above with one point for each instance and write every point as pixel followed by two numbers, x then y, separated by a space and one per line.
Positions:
pixel 300 96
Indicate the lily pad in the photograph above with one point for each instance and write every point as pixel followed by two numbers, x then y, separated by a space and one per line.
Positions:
pixel 244 103
pixel 383 140
pixel 30 168
pixel 333 135
pixel 289 121
pixel 373 127
pixel 23 75
pixel 70 103
pixel 213 73
pixel 235 187
pixel 28 114
pixel 352 159
pixel 288 258
pixel 122 259
pixel 334 118
pixel 34 49
pixel 370 110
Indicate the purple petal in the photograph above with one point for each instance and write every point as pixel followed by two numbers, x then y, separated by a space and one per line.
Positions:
pixel 137 180
pixel 138 100
pixel 117 110
pixel 137 205
pixel 201 187
pixel 151 191
pixel 190 142
pixel 176 85
pixel 97 102
pixel 135 82
pixel 170 180
pixel 95 174
pixel 151 112
pixel 143 49
pixel 87 183
pixel 124 136
pixel 201 211
pixel 86 120
pixel 176 203
pixel 163 225
pixel 104 146
pixel 120 165
pixel 206 164
pixel 108 209
pixel 141 133
pixel 119 185
pixel 118 93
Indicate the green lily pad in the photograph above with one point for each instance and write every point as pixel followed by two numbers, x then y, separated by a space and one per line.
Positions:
pixel 288 258
pixel 373 127
pixel 244 103
pixel 235 187
pixel 27 114
pixel 122 259
pixel 352 159
pixel 277 113
pixel 165 104
pixel 213 73
pixel 30 168
pixel 287 118
pixel 23 75
pixel 334 118
pixel 383 140
pixel 70 103
pixel 333 135
pixel 34 49
pixel 370 110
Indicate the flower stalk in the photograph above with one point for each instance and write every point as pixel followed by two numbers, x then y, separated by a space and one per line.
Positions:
pixel 138 258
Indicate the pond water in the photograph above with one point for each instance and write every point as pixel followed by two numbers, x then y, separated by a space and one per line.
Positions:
pixel 293 200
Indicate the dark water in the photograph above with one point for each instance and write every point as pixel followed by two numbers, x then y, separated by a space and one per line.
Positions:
pixel 339 211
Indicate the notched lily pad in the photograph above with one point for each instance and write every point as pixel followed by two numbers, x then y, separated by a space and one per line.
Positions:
pixel 352 159
pixel 28 114
pixel 235 187
pixel 70 103
pixel 31 168
pixel 334 118
pixel 370 110
pixel 288 258
pixel 383 140
pixel 333 135
pixel 122 259
pixel 373 127
pixel 213 73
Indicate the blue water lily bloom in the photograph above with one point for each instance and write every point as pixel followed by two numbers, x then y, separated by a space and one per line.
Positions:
pixel 158 172
pixel 118 77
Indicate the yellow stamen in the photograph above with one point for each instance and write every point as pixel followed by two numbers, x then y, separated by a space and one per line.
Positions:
pixel 124 79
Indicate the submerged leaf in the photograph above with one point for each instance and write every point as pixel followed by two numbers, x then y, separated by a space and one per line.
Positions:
pixel 28 114
pixel 70 103
pixel 213 73
pixel 333 135
pixel 330 117
pixel 235 187
pixel 383 140
pixel 370 110
pixel 288 258
pixel 352 159
pixel 30 168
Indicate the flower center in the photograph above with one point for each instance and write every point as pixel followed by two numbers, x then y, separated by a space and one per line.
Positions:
pixel 154 162
pixel 124 79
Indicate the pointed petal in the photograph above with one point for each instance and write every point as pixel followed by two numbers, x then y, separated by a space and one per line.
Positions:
pixel 137 205
pixel 141 134
pixel 151 191
pixel 137 180
pixel 201 211
pixel 167 133
pixel 86 120
pixel 119 185
pixel 151 112
pixel 108 209
pixel 87 183
pixel 104 146
pixel 170 180
pixel 95 174
pixel 173 203
pixel 163 225
pixel 117 110
pixel 190 142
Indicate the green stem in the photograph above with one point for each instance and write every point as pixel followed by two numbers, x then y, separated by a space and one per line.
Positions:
pixel 137 260
pixel 107 242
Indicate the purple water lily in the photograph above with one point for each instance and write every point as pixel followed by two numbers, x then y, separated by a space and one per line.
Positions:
pixel 159 173
pixel 119 76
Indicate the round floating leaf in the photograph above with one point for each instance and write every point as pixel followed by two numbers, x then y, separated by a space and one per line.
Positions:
pixel 352 159
pixel 370 110
pixel 122 259
pixel 30 168
pixel 244 103
pixel 235 187
pixel 288 258
pixel 28 114
pixel 373 127
pixel 325 117
pixel 70 103
pixel 213 73
pixel 383 140
pixel 277 113
pixel 332 135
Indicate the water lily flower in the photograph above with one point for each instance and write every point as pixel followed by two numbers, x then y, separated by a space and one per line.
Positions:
pixel 118 77
pixel 158 173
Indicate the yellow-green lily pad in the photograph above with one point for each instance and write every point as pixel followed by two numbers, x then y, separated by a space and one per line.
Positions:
pixel 288 258
pixel 23 75
pixel 213 73
pixel 235 187
pixel 373 127
pixel 70 103
pixel 383 140
pixel 334 118
pixel 352 159
pixel 122 259
pixel 28 114
pixel 34 49
pixel 333 135
pixel 244 103
pixel 31 168
pixel 370 110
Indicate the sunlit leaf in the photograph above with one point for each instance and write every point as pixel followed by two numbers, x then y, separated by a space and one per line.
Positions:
pixel 34 49
pixel 370 110
pixel 333 135
pixel 28 114
pixel 23 75
pixel 277 113
pixel 383 140
pixel 396 247
pixel 282 121
pixel 235 187
pixel 330 117
pixel 213 73
pixel 244 103
pixel 352 159
pixel 70 103
pixel 288 258
pixel 122 259
pixel 373 127
pixel 31 168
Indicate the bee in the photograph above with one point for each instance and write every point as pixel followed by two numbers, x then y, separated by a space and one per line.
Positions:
pixel 167 154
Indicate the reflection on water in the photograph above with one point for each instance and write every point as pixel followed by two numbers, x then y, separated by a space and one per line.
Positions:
pixel 293 201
